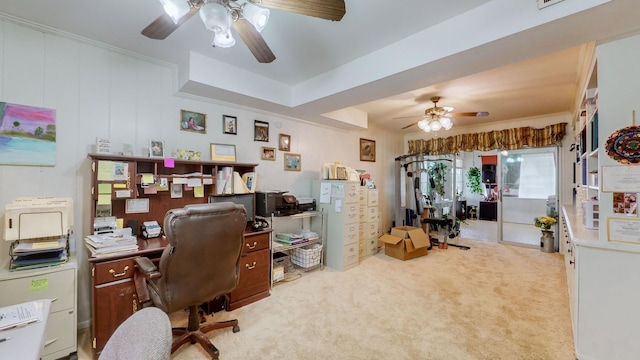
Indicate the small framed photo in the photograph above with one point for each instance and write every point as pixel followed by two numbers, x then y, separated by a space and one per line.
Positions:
pixel 193 121
pixel 229 124
pixel 367 150
pixel 285 142
pixel 223 152
pixel 156 148
pixel 292 162
pixel 261 130
pixel 268 153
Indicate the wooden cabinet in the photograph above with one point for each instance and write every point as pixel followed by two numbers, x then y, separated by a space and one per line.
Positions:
pixel 255 268
pixel 113 292
pixel 58 283
pixel 116 179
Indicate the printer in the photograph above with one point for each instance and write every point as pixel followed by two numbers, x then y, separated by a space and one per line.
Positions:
pixel 276 202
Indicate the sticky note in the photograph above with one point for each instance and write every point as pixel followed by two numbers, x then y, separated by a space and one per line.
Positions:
pixel 104 199
pixel 119 186
pixel 198 191
pixel 119 223
pixel 104 188
pixel 39 284
pixel 147 178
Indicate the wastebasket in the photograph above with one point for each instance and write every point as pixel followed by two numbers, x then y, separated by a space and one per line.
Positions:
pixel 547 242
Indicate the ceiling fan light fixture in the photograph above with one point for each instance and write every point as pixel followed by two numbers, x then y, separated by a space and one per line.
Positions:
pixel 256 15
pixel 447 127
pixel 435 126
pixel 445 121
pixel 176 9
pixel 224 39
pixel 215 17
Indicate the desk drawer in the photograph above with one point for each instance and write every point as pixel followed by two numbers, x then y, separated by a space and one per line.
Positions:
pixel 113 270
pixel 255 242
pixel 254 275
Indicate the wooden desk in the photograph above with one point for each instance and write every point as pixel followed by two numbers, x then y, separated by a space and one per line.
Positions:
pixel 113 291
pixel 27 342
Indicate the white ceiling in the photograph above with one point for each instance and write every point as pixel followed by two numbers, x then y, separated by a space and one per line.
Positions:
pixel 384 58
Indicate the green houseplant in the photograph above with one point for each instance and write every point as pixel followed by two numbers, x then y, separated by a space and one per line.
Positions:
pixel 437 171
pixel 474 177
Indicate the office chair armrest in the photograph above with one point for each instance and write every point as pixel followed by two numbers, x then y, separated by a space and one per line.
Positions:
pixel 149 270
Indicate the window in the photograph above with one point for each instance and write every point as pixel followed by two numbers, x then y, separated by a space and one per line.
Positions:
pixel 537 176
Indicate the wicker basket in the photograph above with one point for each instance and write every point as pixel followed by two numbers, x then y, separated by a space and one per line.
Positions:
pixel 307 256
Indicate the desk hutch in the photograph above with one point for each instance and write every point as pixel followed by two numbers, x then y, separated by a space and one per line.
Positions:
pixel 114 298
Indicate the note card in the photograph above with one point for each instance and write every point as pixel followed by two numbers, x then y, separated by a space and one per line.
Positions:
pixel 104 188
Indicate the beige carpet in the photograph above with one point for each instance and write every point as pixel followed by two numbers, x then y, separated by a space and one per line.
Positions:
pixel 491 302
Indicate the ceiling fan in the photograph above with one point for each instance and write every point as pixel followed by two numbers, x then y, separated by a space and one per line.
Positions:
pixel 442 112
pixel 248 18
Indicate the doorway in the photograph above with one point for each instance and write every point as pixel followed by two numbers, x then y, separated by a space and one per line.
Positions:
pixel 526 187
pixel 528 183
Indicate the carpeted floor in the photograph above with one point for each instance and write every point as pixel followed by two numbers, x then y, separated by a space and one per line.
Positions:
pixel 490 302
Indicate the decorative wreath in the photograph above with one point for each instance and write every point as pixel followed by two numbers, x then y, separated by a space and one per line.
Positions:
pixel 623 145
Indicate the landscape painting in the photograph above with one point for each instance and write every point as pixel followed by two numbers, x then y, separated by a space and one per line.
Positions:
pixel 27 135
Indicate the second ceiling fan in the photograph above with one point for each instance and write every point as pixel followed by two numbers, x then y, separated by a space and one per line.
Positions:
pixel 247 17
pixel 436 113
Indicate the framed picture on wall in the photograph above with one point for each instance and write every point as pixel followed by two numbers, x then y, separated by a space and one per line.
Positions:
pixel 285 142
pixel 268 153
pixel 367 150
pixel 193 121
pixel 229 124
pixel 292 162
pixel 261 130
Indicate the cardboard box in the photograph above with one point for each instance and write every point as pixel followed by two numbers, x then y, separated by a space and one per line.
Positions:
pixel 406 242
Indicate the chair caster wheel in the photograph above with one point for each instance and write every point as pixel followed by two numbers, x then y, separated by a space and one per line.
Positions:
pixel 236 329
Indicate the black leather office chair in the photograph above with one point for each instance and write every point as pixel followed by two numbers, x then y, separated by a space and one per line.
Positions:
pixel 201 262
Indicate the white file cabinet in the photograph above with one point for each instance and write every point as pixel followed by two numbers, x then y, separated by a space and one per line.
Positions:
pixel 369 222
pixel 341 201
pixel 58 283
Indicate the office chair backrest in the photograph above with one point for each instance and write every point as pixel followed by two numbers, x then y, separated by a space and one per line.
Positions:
pixel 202 260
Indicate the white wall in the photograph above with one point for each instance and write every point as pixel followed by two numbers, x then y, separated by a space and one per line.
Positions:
pixel 104 92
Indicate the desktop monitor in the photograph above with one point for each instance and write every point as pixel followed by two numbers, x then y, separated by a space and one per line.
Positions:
pixel 242 199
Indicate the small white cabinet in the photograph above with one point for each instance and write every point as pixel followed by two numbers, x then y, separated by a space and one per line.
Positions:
pixel 58 283
pixel 604 293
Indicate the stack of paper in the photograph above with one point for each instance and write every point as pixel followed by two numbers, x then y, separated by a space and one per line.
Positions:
pixel 110 244
pixel 290 239
pixel 36 254
pixel 18 315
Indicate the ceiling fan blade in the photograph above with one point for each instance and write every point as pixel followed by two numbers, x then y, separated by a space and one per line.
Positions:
pixel 410 125
pixel 163 26
pixel 407 117
pixel 324 9
pixel 255 42
pixel 474 114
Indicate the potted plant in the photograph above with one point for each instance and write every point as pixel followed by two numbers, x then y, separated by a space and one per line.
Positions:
pixel 438 171
pixel 546 240
pixel 474 184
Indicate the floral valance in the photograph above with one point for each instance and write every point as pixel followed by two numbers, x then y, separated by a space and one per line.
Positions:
pixel 507 139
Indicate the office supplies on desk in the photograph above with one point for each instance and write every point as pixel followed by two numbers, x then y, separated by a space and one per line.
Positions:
pixel 151 229
pixel 39 230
